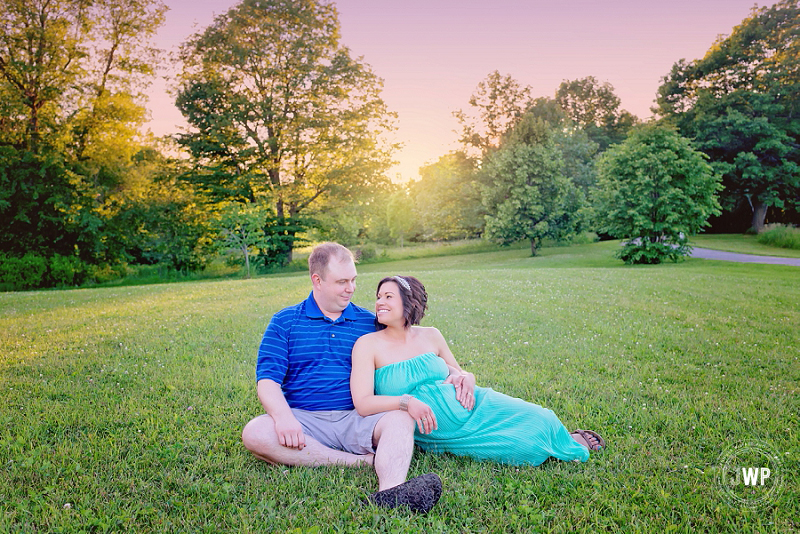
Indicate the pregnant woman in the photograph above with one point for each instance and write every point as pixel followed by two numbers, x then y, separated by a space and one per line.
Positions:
pixel 409 367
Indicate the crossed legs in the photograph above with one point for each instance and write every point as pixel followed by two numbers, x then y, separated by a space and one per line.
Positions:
pixel 393 439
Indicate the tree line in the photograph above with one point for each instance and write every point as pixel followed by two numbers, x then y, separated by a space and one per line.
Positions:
pixel 286 144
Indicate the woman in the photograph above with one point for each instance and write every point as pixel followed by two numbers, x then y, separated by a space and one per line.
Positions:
pixel 409 367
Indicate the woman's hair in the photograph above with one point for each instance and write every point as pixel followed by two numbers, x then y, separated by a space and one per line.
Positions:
pixel 414 297
pixel 322 255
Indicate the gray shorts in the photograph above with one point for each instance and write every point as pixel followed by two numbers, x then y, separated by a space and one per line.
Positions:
pixel 343 430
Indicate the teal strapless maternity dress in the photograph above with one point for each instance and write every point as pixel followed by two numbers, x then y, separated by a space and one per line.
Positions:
pixel 499 428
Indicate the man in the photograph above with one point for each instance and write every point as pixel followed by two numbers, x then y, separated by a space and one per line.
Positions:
pixel 303 382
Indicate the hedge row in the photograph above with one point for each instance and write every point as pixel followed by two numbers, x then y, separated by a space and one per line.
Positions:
pixel 33 271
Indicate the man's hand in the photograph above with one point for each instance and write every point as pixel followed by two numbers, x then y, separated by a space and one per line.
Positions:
pixel 465 387
pixel 290 433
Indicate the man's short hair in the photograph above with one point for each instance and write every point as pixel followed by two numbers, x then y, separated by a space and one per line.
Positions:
pixel 322 254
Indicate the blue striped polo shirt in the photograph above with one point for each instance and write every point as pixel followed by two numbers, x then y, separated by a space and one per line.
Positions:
pixel 308 354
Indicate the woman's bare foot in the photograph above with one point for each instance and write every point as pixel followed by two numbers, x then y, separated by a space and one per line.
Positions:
pixel 590 440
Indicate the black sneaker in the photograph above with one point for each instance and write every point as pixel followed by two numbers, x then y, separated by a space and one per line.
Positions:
pixel 419 494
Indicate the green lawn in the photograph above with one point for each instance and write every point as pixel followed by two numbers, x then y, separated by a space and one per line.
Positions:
pixel 127 403
pixel 743 244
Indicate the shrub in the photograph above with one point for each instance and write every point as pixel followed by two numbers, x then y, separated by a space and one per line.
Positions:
pixel 33 271
pixel 106 273
pixel 780 235
pixel 66 271
pixel 18 274
pixel 365 253
pixel 583 238
pixel 644 251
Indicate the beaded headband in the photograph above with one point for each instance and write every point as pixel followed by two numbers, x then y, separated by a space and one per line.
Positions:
pixel 400 280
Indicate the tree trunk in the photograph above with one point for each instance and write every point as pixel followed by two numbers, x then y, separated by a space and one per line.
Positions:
pixel 290 252
pixel 33 130
pixel 533 247
pixel 759 215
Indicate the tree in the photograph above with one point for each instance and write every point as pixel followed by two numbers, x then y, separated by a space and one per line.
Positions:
pixel 524 185
pixel 594 107
pixel 278 108
pixel 73 63
pixel 578 154
pixel 498 103
pixel 400 215
pixel 157 218
pixel 70 73
pixel 655 190
pixel 741 105
pixel 41 47
pixel 241 227
pixel 43 207
pixel 447 199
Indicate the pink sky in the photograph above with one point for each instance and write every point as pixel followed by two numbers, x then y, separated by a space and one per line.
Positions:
pixel 433 53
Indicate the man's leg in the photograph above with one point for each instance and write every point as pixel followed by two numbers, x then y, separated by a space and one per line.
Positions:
pixel 393 439
pixel 259 438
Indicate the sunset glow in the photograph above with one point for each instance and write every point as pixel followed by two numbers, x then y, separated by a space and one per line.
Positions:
pixel 433 53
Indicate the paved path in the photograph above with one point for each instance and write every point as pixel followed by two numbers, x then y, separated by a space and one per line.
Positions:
pixel 708 254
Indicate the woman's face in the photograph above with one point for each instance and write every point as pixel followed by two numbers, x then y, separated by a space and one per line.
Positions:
pixel 389 303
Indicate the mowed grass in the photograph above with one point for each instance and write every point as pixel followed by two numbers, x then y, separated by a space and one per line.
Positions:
pixel 122 407
pixel 743 244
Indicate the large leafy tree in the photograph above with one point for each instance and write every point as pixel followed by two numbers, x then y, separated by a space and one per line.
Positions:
pixel 499 102
pixel 71 74
pixel 655 190
pixel 279 110
pixel 525 188
pixel 594 107
pixel 42 45
pixel 69 69
pixel 741 105
pixel 578 153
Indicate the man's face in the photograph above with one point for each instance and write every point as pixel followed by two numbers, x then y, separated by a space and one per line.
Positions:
pixel 334 290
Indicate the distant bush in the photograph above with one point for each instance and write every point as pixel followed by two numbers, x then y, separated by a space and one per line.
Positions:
pixel 780 235
pixel 644 251
pixel 67 271
pixel 33 271
pixel 26 272
pixel 107 273
pixel 585 238
pixel 365 253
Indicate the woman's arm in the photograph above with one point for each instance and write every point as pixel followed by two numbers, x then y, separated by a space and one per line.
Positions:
pixel 443 350
pixel 362 383
pixel 362 389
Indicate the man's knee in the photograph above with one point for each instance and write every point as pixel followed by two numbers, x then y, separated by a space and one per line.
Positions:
pixel 396 423
pixel 258 434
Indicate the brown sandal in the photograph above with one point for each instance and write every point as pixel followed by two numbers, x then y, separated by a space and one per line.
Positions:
pixel 585 434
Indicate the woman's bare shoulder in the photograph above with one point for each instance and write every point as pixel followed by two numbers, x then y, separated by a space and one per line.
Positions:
pixel 428 332
pixel 368 338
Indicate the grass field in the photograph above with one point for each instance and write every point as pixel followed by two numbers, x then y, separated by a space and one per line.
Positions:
pixel 743 244
pixel 122 407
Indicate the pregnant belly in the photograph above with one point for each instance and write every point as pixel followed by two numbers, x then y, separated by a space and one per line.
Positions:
pixel 450 415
